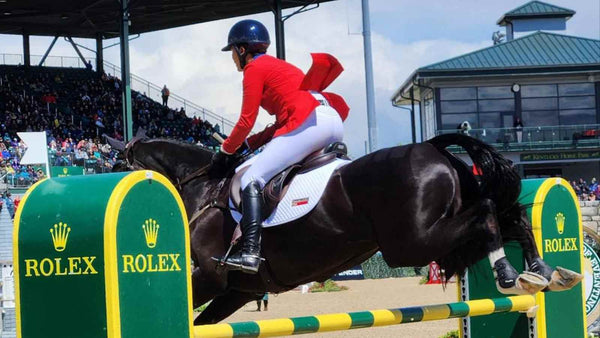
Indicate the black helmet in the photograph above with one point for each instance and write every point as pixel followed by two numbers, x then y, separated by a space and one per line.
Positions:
pixel 251 32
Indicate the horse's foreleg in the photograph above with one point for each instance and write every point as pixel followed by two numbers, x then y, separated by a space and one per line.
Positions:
pixel 560 279
pixel 478 225
pixel 204 289
pixel 508 280
pixel 223 306
pixel 534 261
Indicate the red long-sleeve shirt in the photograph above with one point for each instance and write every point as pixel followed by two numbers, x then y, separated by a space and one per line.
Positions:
pixel 274 85
pixel 278 87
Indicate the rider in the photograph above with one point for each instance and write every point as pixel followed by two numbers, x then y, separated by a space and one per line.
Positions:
pixel 306 120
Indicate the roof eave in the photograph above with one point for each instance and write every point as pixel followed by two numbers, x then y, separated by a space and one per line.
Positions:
pixel 508 18
pixel 429 73
pixel 405 86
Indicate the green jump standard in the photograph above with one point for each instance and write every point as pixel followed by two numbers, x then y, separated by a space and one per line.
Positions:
pixel 102 256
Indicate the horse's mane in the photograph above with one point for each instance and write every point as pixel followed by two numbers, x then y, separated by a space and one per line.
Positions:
pixel 192 154
pixel 189 146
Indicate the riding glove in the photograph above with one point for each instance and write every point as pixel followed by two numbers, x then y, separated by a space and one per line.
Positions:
pixel 222 161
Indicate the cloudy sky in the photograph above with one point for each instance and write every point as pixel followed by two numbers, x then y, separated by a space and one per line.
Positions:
pixel 405 35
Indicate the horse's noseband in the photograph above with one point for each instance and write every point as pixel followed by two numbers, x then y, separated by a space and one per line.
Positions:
pixel 133 164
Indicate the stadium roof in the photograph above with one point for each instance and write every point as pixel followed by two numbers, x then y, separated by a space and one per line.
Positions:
pixel 89 18
pixel 536 10
pixel 540 52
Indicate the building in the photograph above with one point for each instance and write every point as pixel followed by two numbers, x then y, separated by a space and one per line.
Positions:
pixel 549 81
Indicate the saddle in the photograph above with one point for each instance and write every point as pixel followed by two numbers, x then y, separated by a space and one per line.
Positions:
pixel 276 188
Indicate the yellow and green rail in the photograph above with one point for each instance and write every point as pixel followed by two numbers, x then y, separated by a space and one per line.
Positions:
pixel 357 320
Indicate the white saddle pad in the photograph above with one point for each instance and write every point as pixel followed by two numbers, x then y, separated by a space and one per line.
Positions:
pixel 304 193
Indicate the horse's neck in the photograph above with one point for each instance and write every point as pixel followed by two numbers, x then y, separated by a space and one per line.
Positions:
pixel 174 160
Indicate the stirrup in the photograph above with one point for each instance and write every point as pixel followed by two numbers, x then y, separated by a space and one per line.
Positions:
pixel 221 262
pixel 226 262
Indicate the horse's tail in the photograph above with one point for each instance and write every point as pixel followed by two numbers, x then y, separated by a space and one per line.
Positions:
pixel 499 182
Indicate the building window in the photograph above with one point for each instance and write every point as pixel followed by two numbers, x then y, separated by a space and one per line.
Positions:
pixel 449 107
pixel 503 92
pixel 577 103
pixel 539 91
pixel 558 104
pixel 577 116
pixel 451 121
pixel 539 103
pixel 540 118
pixel 429 115
pixel 458 94
pixel 574 89
pixel 496 105
pixel 482 107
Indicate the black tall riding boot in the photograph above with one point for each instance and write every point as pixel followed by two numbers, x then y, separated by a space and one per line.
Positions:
pixel 248 259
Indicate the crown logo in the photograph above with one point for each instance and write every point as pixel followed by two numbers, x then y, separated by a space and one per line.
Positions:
pixel 60 235
pixel 150 232
pixel 560 222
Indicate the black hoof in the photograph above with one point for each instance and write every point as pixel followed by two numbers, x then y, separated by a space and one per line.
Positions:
pixel 506 275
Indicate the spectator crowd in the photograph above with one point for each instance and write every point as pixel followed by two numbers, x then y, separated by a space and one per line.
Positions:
pixel 586 191
pixel 76 107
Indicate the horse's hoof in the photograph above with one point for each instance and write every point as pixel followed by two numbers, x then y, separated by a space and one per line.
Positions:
pixel 528 283
pixel 531 282
pixel 564 279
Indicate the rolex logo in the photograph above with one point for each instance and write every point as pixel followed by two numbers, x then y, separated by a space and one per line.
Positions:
pixel 151 232
pixel 560 222
pixel 60 235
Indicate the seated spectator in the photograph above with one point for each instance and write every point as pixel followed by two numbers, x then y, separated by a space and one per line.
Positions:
pixel 73 107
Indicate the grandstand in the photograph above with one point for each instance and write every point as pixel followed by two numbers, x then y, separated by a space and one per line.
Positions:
pixel 76 107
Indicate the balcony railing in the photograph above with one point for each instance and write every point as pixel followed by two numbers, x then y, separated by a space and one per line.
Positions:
pixel 536 138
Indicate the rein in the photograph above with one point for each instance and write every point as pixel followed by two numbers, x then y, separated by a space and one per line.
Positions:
pixel 197 173
pixel 212 204
pixel 215 203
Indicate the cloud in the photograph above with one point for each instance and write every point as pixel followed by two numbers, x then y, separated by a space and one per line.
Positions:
pixel 404 38
pixel 189 61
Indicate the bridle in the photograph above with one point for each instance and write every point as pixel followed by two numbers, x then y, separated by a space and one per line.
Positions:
pixel 134 164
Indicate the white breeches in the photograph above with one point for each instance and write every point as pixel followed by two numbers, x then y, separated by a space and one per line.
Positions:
pixel 322 127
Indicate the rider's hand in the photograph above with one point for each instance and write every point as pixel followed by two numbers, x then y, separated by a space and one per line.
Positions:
pixel 222 161
pixel 243 149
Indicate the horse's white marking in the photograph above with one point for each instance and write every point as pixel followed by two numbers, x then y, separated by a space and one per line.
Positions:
pixel 494 256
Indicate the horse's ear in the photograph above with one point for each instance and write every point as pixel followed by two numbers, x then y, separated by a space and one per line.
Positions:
pixel 141 133
pixel 114 143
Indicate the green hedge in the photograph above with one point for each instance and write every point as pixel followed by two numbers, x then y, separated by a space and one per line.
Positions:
pixel 375 268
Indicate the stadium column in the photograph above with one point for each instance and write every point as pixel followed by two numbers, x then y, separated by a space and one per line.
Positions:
pixel 371 115
pixel 412 114
pixel 26 53
pixel 99 55
pixel 279 30
pixel 125 78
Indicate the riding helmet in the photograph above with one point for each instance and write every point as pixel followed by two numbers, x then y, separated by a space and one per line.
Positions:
pixel 249 32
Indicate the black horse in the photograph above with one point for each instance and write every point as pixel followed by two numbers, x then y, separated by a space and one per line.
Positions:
pixel 415 204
